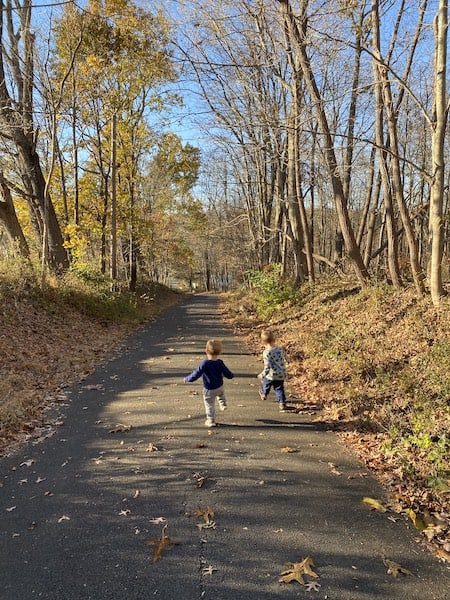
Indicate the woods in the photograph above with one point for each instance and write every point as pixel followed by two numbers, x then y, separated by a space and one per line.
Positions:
pixel 293 152
pixel 319 140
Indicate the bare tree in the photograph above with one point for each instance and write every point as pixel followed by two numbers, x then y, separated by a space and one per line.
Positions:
pixel 439 123
pixel 298 25
pixel 17 124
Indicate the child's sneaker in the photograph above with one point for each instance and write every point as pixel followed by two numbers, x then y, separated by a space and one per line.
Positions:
pixel 222 405
pixel 282 406
pixel 210 423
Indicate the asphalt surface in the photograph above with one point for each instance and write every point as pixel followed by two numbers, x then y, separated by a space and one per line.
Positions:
pixel 78 507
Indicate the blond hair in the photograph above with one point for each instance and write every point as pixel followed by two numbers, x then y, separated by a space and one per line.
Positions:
pixel 213 347
pixel 268 337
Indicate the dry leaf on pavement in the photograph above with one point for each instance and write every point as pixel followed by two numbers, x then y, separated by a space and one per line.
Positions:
pixel 313 586
pixel 296 571
pixel 119 428
pixel 162 544
pixel 206 513
pixel 395 569
pixel 374 504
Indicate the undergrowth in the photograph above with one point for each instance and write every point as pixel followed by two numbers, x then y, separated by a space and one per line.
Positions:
pixel 376 360
pixel 54 331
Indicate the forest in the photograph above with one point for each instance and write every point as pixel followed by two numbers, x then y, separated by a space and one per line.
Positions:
pixel 316 140
pixel 293 153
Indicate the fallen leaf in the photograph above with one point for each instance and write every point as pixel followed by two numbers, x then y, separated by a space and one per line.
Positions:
pixel 152 448
pixel 158 520
pixel 395 569
pixel 120 428
pixel 313 586
pixel 334 469
pixel 63 518
pixel 375 504
pixel 443 554
pixel 288 450
pixel 124 512
pixel 136 494
pixel 11 508
pixel 296 571
pixel 200 479
pixel 209 525
pixel 209 570
pixel 40 479
pixel 418 522
pixel 161 544
pixel 206 513
pixel 27 463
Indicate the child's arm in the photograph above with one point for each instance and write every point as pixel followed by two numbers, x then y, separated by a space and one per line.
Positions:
pixel 266 368
pixel 226 372
pixel 196 373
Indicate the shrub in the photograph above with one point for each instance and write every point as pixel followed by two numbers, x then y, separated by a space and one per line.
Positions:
pixel 273 289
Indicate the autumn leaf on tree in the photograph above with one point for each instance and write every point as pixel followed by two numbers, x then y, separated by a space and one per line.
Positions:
pixel 395 569
pixel 162 544
pixel 296 571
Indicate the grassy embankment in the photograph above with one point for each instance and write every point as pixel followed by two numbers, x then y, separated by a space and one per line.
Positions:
pixel 376 363
pixel 53 335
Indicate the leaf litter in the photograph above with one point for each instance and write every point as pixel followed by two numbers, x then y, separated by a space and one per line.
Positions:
pixel 162 544
pixel 298 571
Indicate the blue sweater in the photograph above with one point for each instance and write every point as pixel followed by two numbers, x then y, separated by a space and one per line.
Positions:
pixel 212 371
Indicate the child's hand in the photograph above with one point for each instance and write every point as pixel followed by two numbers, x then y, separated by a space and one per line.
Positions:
pixel 259 376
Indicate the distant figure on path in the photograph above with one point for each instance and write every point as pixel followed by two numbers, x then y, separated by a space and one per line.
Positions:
pixel 274 373
pixel 213 370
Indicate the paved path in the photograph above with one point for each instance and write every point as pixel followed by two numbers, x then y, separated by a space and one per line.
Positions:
pixel 77 508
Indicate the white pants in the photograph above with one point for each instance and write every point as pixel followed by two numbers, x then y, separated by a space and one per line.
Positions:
pixel 209 399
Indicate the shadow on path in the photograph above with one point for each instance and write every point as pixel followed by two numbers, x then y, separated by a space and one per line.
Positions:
pixel 78 508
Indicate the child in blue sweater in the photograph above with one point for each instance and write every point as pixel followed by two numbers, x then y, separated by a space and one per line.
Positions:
pixel 212 370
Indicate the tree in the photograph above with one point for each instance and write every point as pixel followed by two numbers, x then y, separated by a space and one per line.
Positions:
pixel 439 123
pixel 297 26
pixel 17 127
pixel 122 63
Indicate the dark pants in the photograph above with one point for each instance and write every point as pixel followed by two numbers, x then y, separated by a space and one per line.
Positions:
pixel 278 386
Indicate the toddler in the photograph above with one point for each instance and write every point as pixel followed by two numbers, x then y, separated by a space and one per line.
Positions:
pixel 212 370
pixel 274 373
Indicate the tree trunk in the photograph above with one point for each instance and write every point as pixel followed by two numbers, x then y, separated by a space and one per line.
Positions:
pixel 297 26
pixel 391 233
pixel 34 182
pixel 397 184
pixel 16 124
pixel 9 219
pixel 437 153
